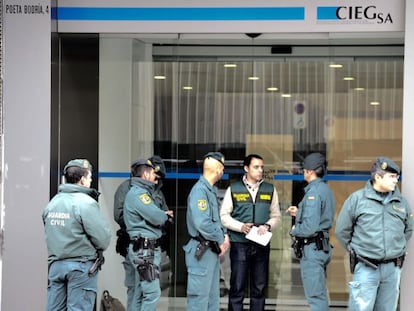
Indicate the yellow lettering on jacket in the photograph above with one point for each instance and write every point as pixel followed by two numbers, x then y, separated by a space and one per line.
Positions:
pixel 241 197
pixel 265 197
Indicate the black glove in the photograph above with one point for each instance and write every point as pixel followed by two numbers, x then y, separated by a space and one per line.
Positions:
pixel 122 243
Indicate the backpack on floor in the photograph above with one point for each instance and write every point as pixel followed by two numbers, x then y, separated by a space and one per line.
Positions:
pixel 109 303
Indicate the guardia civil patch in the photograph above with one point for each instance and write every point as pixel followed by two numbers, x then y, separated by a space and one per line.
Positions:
pixel 145 198
pixel 202 205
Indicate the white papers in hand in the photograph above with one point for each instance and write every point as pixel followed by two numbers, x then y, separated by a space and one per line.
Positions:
pixel 260 239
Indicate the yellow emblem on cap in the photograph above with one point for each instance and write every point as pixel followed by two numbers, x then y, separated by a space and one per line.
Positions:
pixel 202 205
pixel 384 165
pixel 311 197
pixel 145 198
pixel 85 164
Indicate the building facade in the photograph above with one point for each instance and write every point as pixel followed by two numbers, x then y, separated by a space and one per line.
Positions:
pixel 115 81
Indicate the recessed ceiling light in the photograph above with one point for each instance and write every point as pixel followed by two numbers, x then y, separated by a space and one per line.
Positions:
pixel 335 65
pixel 230 65
pixel 375 103
pixel 254 78
pixel 159 77
pixel 272 89
pixel 286 95
pixel 359 89
pixel 349 78
pixel 187 88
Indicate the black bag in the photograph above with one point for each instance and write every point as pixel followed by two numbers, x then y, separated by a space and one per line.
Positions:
pixel 109 303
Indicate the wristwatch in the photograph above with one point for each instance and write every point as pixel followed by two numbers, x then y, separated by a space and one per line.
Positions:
pixel 269 227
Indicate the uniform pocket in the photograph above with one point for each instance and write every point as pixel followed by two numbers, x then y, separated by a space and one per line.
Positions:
pixel 187 248
pixel 355 295
pixel 196 280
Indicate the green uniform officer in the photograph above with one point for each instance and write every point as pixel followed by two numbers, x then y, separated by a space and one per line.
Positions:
pixel 76 232
pixel 160 200
pixel 123 239
pixel 143 220
pixel 208 241
pixel 375 224
pixel 314 217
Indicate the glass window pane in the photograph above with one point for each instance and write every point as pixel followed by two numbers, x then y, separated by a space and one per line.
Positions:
pixel 282 109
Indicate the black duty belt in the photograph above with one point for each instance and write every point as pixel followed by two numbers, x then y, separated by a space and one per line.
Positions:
pixel 397 261
pixel 199 239
pixel 146 242
pixel 306 241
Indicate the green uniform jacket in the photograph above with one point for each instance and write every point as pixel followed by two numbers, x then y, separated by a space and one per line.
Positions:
pixel 316 211
pixel 375 226
pixel 119 199
pixel 142 215
pixel 159 197
pixel 203 212
pixel 75 227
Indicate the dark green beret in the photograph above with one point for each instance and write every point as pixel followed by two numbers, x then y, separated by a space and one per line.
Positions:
pixel 216 156
pixel 314 161
pixel 83 163
pixel 387 165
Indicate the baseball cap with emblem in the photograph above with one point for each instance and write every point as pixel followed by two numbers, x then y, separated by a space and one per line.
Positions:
pixel 314 161
pixel 82 163
pixel 387 165
pixel 218 156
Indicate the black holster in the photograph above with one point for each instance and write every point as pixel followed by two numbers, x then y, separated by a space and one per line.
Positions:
pixel 97 265
pixel 203 245
pixel 352 259
pixel 399 262
pixel 215 247
pixel 297 246
pixel 201 249
pixel 148 271
pixel 322 241
pixel 146 268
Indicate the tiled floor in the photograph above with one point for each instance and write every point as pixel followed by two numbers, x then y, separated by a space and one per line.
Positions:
pixel 179 304
pixel 285 290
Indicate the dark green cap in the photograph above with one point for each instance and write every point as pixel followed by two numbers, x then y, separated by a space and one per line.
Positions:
pixel 139 162
pixel 387 165
pixel 216 156
pixel 159 166
pixel 314 161
pixel 83 163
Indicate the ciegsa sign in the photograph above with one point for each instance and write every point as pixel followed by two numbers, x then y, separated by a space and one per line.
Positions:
pixel 360 13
